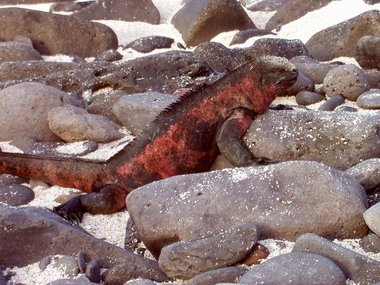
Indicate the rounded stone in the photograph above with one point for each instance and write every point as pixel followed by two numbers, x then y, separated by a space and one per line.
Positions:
pixel 371 217
pixel 306 98
pixel 347 80
pixel 369 99
pixel 16 194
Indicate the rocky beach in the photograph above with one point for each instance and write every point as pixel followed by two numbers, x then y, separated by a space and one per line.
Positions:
pixel 289 197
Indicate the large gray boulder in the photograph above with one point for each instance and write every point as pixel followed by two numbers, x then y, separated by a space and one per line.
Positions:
pixel 57 34
pixel 338 139
pixel 273 197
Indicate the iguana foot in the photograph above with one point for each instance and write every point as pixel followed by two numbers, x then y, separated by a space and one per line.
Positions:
pixel 108 200
pixel 72 210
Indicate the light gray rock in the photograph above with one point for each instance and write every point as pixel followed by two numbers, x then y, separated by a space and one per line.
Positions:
pixel 338 139
pixel 359 268
pixel 371 217
pixel 369 99
pixel 347 80
pixel 136 111
pixel 366 172
pixel 295 268
pixel 273 197
pixel 72 124
pixel 24 108
pixel 221 275
pixel 189 258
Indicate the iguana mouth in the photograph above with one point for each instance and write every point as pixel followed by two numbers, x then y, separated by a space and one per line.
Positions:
pixel 289 79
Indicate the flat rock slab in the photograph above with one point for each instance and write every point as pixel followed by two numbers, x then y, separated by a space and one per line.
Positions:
pixel 296 268
pixel 57 34
pixel 274 197
pixel 359 268
pixel 338 139
pixel 29 234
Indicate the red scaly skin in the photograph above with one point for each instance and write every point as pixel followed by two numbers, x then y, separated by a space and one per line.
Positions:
pixel 180 140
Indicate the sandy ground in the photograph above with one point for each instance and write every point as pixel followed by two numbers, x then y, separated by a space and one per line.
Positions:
pixel 99 226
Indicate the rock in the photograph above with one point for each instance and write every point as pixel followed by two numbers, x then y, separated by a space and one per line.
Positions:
pixel 109 56
pixel 370 243
pixel 307 98
pixel 189 258
pixel 148 44
pixel 292 10
pixel 373 76
pixel 273 197
pixel 296 268
pixel 222 275
pixel 257 255
pixel 221 162
pixel 276 47
pixel 48 234
pixel 164 72
pixel 24 108
pixel 369 99
pixel 242 36
pixel 69 6
pixel 267 5
pixel 220 58
pixel 14 51
pixel 131 10
pixel 312 68
pixel 366 172
pixel 358 268
pixel 72 124
pixel 347 80
pixel 303 83
pixel 78 37
pixel 8 179
pixel 340 39
pixel 332 103
pixel 371 2
pixel 141 282
pixel 346 109
pixel 371 217
pixel 199 21
pixel 78 281
pixel 368 52
pixel 314 135
pixel 102 103
pixel 16 195
pixel 93 271
pixel 136 111
pixel 68 264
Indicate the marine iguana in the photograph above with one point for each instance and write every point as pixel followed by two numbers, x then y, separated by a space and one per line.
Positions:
pixel 180 140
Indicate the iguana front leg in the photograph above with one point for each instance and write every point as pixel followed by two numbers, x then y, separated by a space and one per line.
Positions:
pixel 108 200
pixel 230 134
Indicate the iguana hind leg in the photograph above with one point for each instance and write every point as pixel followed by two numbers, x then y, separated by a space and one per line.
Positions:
pixel 230 134
pixel 108 200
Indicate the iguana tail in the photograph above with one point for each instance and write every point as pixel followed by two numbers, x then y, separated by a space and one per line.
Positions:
pixel 87 176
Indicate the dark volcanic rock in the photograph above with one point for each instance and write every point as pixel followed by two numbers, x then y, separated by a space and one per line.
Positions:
pixel 109 56
pixel 368 52
pixel 15 51
pixel 303 83
pixel 332 103
pixel 16 195
pixel 29 234
pixel 327 137
pixel 199 21
pixel 56 34
pixel 242 36
pixel 292 10
pixel 130 10
pixel 189 258
pixel 148 44
pixel 273 197
pixel 359 268
pixel 296 268
pixel 222 275
pixel 267 5
pixel 340 39
pixel 276 47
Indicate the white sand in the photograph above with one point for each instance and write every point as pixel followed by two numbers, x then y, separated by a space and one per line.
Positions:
pixel 100 226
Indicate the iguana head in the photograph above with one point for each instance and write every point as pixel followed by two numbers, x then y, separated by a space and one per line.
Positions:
pixel 268 76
